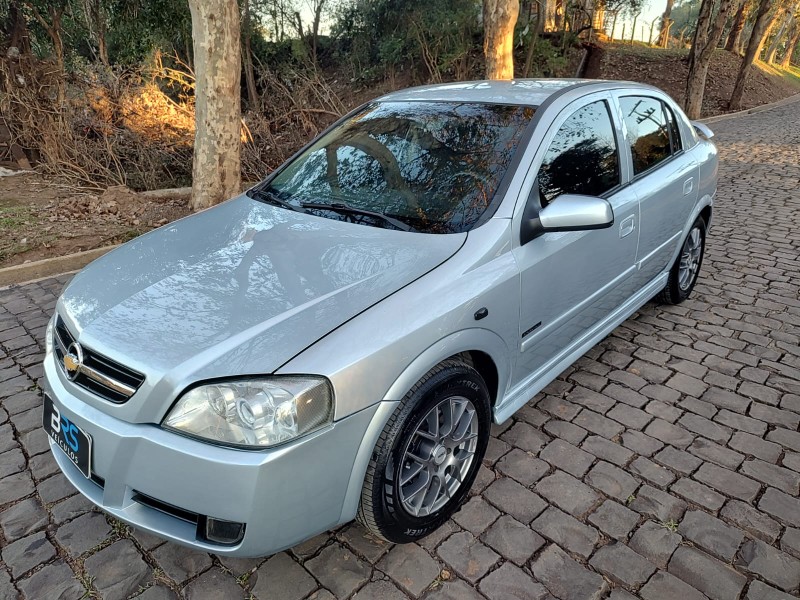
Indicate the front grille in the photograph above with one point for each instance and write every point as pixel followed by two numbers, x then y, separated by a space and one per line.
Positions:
pixel 98 374
pixel 167 509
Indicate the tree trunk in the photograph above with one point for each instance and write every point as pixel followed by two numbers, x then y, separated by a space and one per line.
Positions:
pixel 794 39
pixel 18 28
pixel 766 35
pixel 735 35
pixel 666 21
pixel 217 58
pixel 777 38
pixel 706 38
pixel 614 24
pixel 247 58
pixel 762 25
pixel 633 27
pixel 499 18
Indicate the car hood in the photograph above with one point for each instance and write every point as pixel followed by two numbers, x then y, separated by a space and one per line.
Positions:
pixel 239 289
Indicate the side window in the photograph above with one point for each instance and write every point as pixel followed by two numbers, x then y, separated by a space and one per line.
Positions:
pixel 674 130
pixel 648 133
pixel 583 156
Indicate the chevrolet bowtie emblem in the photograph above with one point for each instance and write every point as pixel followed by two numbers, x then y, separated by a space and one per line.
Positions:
pixel 73 360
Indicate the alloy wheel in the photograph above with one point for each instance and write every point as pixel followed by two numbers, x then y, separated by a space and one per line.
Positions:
pixel 690 259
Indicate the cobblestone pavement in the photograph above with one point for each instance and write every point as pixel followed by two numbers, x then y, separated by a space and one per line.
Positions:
pixel 664 464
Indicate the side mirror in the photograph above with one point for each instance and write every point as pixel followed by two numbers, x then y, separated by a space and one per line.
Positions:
pixel 569 212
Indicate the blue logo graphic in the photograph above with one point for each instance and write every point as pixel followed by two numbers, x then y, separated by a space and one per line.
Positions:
pixel 69 430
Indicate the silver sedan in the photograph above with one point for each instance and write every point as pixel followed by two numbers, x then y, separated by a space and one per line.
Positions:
pixel 335 343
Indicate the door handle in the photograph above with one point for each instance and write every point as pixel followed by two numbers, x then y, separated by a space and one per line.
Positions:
pixel 688 186
pixel 627 226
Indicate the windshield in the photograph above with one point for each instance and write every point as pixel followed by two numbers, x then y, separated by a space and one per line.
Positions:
pixel 433 166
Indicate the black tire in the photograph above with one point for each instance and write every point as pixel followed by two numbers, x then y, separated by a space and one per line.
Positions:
pixel 673 293
pixel 381 509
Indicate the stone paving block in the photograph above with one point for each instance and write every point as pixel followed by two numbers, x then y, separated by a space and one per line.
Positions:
pixel 118 570
pixel 467 556
pixel 157 592
pixel 566 431
pixel 655 542
pixel 559 407
pixel 606 450
pixel 43 466
pixel 181 563
pixel 698 407
pixel 662 586
pixel 697 493
pixel 495 450
pixel 567 493
pixel 565 456
pixel 629 416
pixel 725 399
pixel 711 534
pixel 762 591
pixel 565 578
pixel 705 427
pixel 728 482
pixel 513 540
pixel 668 433
pixel 214 584
pixel 754 522
pixel 712 577
pixel 72 507
pixel 612 481
pixel 773 475
pixel 626 395
pixel 657 504
pixel 55 580
pixel 791 460
pixel 383 590
pixel 784 437
pixel 366 544
pixel 410 567
pixel 710 451
pixel 513 499
pixel 614 520
pixel 566 531
pixel 522 467
pixel 55 488
pixel 652 472
pixel 753 445
pixel 476 515
pixel 84 533
pixel 21 519
pixel 454 590
pixel 778 568
pixel 11 462
pixel 525 437
pixel 677 460
pixel 590 399
pixel 281 577
pixel 775 416
pixel 15 487
pixel 641 443
pixel 790 541
pixel 26 553
pixel 509 582
pixel 622 565
pixel 339 570
pixel 598 424
pixel 740 422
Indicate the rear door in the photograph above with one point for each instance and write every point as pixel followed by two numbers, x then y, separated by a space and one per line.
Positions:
pixel 664 179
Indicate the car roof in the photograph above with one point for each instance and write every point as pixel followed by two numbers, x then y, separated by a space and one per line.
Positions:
pixel 529 92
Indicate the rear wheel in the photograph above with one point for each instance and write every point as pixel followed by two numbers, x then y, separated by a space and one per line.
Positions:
pixel 683 275
pixel 428 455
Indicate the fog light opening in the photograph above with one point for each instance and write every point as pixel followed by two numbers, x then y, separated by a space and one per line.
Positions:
pixel 219 531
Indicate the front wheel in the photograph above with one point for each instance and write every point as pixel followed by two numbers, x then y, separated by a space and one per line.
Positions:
pixel 428 455
pixel 683 274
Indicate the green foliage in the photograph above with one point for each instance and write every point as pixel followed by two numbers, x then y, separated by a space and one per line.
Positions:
pixel 684 16
pixel 140 26
pixel 379 35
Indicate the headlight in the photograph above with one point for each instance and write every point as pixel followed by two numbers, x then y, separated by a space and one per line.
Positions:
pixel 254 412
pixel 48 335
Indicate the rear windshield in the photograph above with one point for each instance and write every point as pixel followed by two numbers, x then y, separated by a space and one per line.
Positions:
pixel 433 166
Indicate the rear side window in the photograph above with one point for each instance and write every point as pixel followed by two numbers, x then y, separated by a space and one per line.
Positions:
pixel 583 156
pixel 647 130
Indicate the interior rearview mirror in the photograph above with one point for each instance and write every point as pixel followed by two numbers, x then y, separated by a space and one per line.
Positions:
pixel 569 212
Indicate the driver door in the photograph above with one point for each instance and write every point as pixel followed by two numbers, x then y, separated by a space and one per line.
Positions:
pixel 571 280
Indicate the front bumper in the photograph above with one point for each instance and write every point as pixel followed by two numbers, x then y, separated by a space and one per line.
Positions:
pixel 283 496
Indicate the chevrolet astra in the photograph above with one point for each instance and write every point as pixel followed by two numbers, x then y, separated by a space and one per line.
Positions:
pixel 336 342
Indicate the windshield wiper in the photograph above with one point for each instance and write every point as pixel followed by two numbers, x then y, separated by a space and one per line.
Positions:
pixel 275 200
pixel 341 207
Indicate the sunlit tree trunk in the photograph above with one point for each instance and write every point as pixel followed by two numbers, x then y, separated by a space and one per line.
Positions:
pixel 706 38
pixel 764 20
pixel 217 63
pixel 794 39
pixel 499 18
pixel 666 21
pixel 772 51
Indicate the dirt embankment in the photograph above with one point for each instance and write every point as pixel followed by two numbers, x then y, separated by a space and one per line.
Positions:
pixel 668 70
